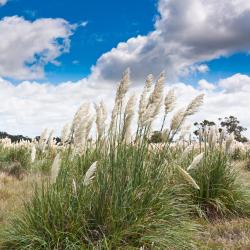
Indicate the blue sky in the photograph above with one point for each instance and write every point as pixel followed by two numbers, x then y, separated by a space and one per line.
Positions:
pixel 223 67
pixel 108 23
pixel 54 55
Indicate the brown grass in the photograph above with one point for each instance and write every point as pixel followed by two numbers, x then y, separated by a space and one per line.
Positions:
pixel 229 234
pixel 233 234
pixel 13 193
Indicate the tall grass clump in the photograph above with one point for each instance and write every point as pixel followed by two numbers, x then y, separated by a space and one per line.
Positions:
pixel 115 191
pixel 220 193
pixel 14 155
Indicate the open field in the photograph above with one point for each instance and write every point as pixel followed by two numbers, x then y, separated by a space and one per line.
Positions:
pixel 107 186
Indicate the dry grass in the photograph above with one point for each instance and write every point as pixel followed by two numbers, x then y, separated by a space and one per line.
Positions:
pixel 244 169
pixel 13 193
pixel 233 234
pixel 229 234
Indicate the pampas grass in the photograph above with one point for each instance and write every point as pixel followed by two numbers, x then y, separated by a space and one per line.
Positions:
pixel 89 176
pixel 188 177
pixel 55 168
pixel 197 159
pixel 33 153
pixel 65 133
pixel 101 117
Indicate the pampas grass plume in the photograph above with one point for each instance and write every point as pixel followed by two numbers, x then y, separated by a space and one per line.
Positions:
pixel 188 178
pixel 55 168
pixel 197 159
pixel 90 174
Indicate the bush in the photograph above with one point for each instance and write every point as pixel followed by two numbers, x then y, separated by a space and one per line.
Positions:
pixel 130 204
pixel 19 155
pixel 220 193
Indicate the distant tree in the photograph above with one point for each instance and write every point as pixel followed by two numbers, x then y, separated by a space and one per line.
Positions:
pixel 232 125
pixel 14 138
pixel 202 125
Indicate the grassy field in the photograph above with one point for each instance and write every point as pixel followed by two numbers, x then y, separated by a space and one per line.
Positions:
pixel 218 234
pixel 109 187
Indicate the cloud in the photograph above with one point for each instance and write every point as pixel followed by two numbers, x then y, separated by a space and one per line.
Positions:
pixel 29 107
pixel 205 85
pixel 3 2
pixel 84 23
pixel 186 33
pixel 236 83
pixel 26 46
pixel 75 62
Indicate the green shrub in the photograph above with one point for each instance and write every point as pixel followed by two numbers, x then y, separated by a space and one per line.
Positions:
pixel 220 193
pixel 20 155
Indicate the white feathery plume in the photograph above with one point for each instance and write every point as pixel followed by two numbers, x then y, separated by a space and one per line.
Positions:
pixel 120 94
pixel 82 133
pixel 51 138
pixel 229 142
pixel 128 138
pixel 197 159
pixel 128 115
pixel 205 132
pixel 43 135
pixel 157 94
pixel 186 151
pixel 188 177
pixel 144 98
pixel 90 174
pixel 238 146
pixel 89 124
pixel 43 139
pixel 194 105
pixel 148 116
pixel 149 82
pixel 33 153
pixel 170 101
pixel 177 120
pixel 184 131
pixel 154 102
pixel 212 137
pixel 216 131
pixel 113 117
pixel 104 110
pixel 101 117
pixel 222 135
pixel 65 133
pixel 55 168
pixel 79 125
pixel 74 188
pixel 82 112
pixel 123 86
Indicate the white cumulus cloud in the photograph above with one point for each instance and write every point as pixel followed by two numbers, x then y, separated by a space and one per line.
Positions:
pixel 27 46
pixel 236 83
pixel 29 107
pixel 186 33
pixel 205 85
